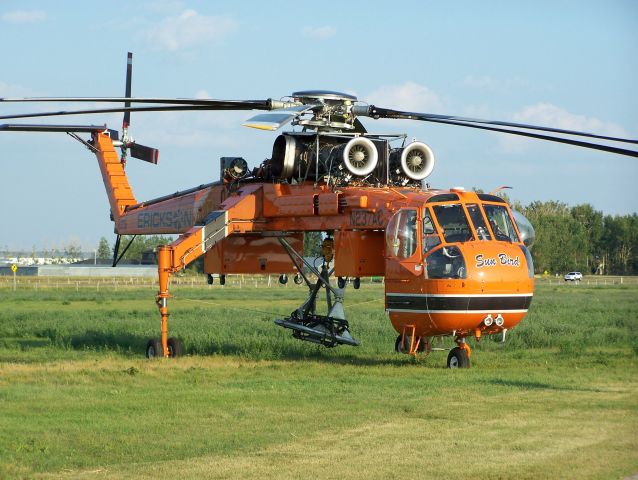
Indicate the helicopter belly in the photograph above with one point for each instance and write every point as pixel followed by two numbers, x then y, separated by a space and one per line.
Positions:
pixel 437 314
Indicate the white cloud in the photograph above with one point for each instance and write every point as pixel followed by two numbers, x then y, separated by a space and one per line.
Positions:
pixel 548 115
pixel 189 29
pixel 202 95
pixel 551 115
pixel 493 84
pixel 408 96
pixel 24 16
pixel 320 32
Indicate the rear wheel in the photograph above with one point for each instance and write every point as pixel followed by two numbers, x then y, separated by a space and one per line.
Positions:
pixel 402 344
pixel 457 358
pixel 154 348
pixel 175 347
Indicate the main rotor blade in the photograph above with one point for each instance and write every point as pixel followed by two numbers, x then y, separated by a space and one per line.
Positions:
pixel 167 101
pixel 387 113
pixel 568 141
pixel 21 127
pixel 429 117
pixel 220 105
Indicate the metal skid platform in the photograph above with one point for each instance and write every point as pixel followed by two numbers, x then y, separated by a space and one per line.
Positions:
pixel 327 330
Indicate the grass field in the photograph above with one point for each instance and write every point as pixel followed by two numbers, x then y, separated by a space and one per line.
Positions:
pixel 77 400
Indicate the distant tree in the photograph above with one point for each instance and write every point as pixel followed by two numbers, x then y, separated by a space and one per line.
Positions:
pixel 312 244
pixel 620 240
pixel 104 249
pixel 561 241
pixel 592 222
pixel 56 255
pixel 72 251
pixel 140 245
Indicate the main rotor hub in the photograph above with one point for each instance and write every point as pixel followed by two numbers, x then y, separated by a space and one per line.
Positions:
pixel 333 110
pixel 314 96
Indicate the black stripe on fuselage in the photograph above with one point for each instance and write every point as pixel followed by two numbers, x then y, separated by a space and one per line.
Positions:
pixel 460 303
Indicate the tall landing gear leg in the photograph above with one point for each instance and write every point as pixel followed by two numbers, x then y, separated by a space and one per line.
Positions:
pixel 155 347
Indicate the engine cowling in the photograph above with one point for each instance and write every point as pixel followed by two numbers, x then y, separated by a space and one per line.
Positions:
pixel 298 156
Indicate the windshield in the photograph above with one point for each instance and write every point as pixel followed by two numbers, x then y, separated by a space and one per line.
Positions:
pixel 454 223
pixel 501 223
pixel 430 236
pixel 479 222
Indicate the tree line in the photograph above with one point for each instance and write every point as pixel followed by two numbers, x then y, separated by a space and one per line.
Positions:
pixel 581 238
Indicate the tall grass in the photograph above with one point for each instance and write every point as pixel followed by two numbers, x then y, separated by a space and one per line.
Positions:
pixel 77 398
pixel 232 321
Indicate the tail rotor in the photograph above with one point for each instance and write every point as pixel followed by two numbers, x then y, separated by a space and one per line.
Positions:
pixel 128 145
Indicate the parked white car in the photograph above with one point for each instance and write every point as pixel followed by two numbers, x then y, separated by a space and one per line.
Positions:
pixel 573 277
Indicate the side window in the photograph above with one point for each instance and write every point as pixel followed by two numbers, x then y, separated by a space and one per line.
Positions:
pixel 500 223
pixel 476 216
pixel 454 223
pixel 430 236
pixel 401 234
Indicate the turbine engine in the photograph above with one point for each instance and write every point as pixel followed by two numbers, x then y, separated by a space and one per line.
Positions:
pixel 308 156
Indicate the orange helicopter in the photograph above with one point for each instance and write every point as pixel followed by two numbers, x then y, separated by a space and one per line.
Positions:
pixel 456 263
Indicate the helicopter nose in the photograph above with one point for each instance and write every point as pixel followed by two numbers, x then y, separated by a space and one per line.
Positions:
pixel 500 283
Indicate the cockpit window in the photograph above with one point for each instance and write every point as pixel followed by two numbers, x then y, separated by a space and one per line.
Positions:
pixel 454 223
pixel 430 236
pixel 501 223
pixel 479 223
pixel 401 234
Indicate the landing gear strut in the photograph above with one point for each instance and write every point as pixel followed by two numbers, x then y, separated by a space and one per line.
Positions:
pixel 327 330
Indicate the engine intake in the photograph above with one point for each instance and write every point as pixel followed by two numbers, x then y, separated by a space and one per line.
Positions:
pixel 360 156
pixel 416 161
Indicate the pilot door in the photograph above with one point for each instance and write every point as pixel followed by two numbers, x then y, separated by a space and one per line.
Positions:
pixel 403 255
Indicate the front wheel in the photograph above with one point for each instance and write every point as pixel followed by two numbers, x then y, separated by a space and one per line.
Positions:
pixel 457 358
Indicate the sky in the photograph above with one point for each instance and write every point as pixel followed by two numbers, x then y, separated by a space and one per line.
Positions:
pixel 567 64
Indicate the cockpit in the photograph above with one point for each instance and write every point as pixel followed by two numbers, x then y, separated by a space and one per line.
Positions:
pixel 445 223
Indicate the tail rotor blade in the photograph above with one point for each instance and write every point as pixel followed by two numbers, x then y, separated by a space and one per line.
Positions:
pixel 127 94
pixel 142 152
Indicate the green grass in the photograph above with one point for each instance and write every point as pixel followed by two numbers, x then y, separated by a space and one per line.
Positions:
pixel 559 399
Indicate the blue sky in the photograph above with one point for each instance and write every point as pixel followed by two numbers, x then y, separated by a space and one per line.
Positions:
pixel 569 64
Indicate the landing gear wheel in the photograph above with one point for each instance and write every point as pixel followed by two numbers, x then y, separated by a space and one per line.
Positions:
pixel 341 282
pixel 175 347
pixel 356 283
pixel 154 348
pixel 283 279
pixel 298 279
pixel 222 280
pixel 457 358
